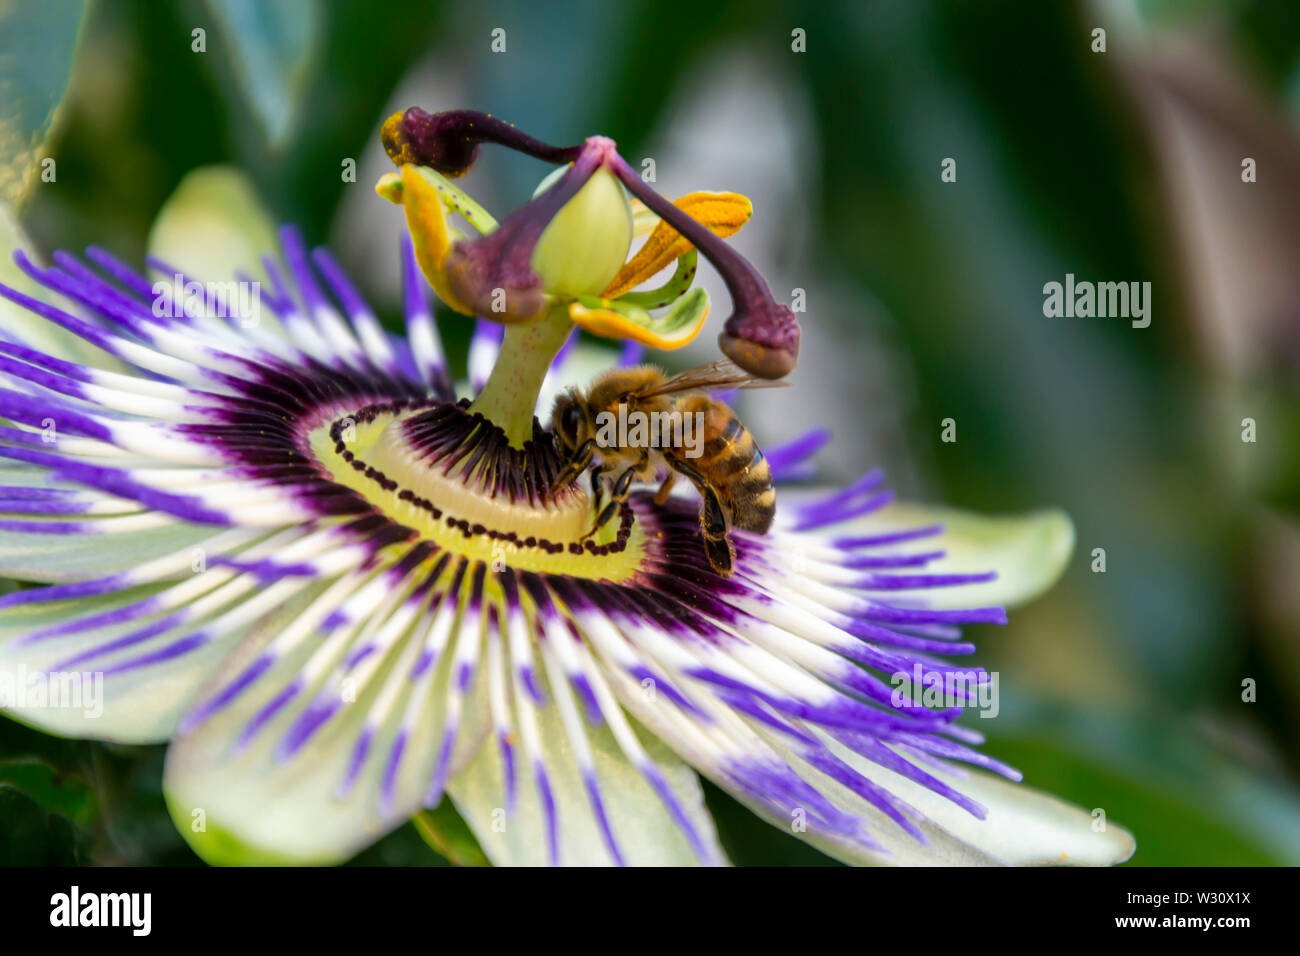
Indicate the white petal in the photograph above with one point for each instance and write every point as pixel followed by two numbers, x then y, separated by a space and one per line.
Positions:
pixel 646 834
pixel 260 805
pixel 1028 552
pixel 137 706
pixel 31 330
pixel 1027 827
pixel 1023 827
pixel 76 557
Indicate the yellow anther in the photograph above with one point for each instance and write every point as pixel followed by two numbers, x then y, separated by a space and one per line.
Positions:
pixel 669 333
pixel 427 223
pixel 392 136
pixel 723 213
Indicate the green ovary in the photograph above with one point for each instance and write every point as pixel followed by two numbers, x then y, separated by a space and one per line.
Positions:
pixel 587 242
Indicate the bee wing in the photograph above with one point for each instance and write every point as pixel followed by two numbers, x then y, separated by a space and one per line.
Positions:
pixel 721 374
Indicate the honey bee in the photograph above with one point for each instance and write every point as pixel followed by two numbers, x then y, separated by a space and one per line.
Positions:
pixel 684 432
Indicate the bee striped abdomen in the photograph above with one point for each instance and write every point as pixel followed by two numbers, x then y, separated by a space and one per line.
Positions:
pixel 736 467
pixel 752 499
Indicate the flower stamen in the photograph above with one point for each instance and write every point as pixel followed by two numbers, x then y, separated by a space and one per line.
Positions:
pixel 761 335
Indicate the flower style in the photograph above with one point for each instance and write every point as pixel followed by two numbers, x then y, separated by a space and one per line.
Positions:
pixel 344 594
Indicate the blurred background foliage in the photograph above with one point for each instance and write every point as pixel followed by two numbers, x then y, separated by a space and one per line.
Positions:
pixel 1121 690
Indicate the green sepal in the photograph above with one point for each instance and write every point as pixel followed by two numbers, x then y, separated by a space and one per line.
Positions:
pixel 620 319
pixel 670 291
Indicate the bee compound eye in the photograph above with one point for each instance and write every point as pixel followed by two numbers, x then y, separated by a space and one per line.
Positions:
pixel 570 419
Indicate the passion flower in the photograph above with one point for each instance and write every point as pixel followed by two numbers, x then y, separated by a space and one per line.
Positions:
pixel 344 594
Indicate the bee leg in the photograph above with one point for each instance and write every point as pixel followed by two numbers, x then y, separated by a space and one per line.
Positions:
pixel 622 488
pixel 662 494
pixel 713 521
pixel 597 487
pixel 602 519
pixel 720 553
pixel 576 466
pixel 713 528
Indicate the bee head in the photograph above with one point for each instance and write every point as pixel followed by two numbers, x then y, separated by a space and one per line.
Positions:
pixel 567 421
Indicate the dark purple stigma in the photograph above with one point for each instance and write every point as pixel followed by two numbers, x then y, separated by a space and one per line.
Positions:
pixel 449 141
pixel 763 340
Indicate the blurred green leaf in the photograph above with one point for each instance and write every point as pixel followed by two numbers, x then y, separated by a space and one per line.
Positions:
pixel 52 789
pixel 1174 826
pixel 273 45
pixel 29 836
pixel 1187 802
pixel 444 830
pixel 1279 486
pixel 401 847
pixel 37 41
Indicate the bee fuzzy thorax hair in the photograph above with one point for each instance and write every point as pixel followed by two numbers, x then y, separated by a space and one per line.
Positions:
pixel 633 428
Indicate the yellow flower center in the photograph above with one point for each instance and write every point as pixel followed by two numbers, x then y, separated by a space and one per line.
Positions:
pixel 463 501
